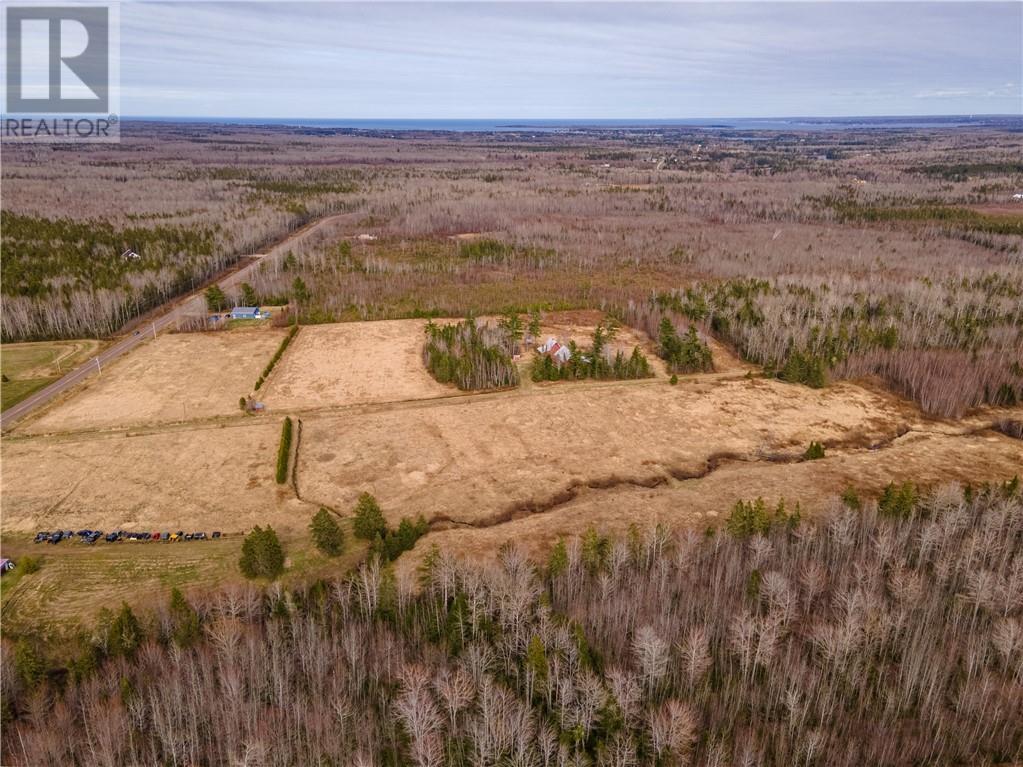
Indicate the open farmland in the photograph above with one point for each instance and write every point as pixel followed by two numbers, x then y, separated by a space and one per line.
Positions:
pixel 492 458
pixel 29 367
pixel 190 477
pixel 529 457
pixel 177 377
pixel 352 364
pixel 926 457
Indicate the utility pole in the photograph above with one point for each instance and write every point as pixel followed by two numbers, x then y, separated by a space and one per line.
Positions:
pixel 154 331
pixel 99 368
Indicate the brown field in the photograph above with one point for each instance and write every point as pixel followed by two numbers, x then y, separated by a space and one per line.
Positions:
pixel 472 460
pixel 526 465
pixel 177 377
pixel 923 457
pixel 485 460
pixel 352 364
pixel 195 477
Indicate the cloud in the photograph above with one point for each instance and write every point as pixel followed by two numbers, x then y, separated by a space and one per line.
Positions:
pixel 555 60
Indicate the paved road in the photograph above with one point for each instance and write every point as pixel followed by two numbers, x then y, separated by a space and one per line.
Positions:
pixel 193 304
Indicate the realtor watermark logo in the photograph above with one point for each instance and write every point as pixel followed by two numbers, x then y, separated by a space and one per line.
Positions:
pixel 62 73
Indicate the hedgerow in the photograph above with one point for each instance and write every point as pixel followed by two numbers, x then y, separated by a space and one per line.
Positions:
pixel 277 355
pixel 284 452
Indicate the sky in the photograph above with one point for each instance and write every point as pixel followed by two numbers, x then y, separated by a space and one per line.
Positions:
pixel 570 60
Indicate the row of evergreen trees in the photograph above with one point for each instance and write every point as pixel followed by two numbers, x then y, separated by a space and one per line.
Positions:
pixel 470 355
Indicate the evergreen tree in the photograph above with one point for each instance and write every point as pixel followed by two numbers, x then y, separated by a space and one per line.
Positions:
pixel 249 297
pixel 125 634
pixel 299 291
pixel 814 452
pixel 669 343
pixel 897 500
pixel 184 619
pixel 28 664
pixel 534 324
pixel 262 554
pixel 369 520
pixel 558 561
pixel 327 533
pixel 536 660
pixel 215 298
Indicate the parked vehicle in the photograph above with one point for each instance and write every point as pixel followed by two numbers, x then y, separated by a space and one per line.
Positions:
pixel 165 536
pixel 216 534
pixel 154 537
pixel 56 537
pixel 111 537
pixel 6 565
pixel 42 536
pixel 199 536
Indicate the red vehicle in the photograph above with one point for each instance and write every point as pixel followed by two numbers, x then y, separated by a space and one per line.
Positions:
pixel 154 537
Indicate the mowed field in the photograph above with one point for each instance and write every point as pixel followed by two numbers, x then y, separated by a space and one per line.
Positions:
pixel 176 377
pixel 29 367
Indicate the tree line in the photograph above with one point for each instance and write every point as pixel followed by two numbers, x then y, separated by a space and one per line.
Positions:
pixel 883 634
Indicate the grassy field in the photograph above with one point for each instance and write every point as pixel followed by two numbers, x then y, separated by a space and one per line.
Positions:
pixel 76 580
pixel 31 366
pixel 176 376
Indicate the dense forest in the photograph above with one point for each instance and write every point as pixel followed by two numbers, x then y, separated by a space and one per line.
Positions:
pixel 950 346
pixel 882 633
pixel 87 274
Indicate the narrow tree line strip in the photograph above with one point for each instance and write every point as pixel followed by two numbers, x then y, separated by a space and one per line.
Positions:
pixel 277 355
pixel 284 452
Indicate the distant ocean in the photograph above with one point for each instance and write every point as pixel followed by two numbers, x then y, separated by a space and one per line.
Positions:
pixel 551 125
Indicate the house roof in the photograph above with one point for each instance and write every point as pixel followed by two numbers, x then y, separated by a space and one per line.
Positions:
pixel 246 310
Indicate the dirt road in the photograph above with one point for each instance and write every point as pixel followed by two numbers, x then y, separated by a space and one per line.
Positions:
pixel 175 309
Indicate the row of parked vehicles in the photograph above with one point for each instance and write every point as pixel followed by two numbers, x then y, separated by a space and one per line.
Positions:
pixel 91 536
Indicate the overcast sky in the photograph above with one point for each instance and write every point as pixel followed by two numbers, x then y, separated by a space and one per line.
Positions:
pixel 574 60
